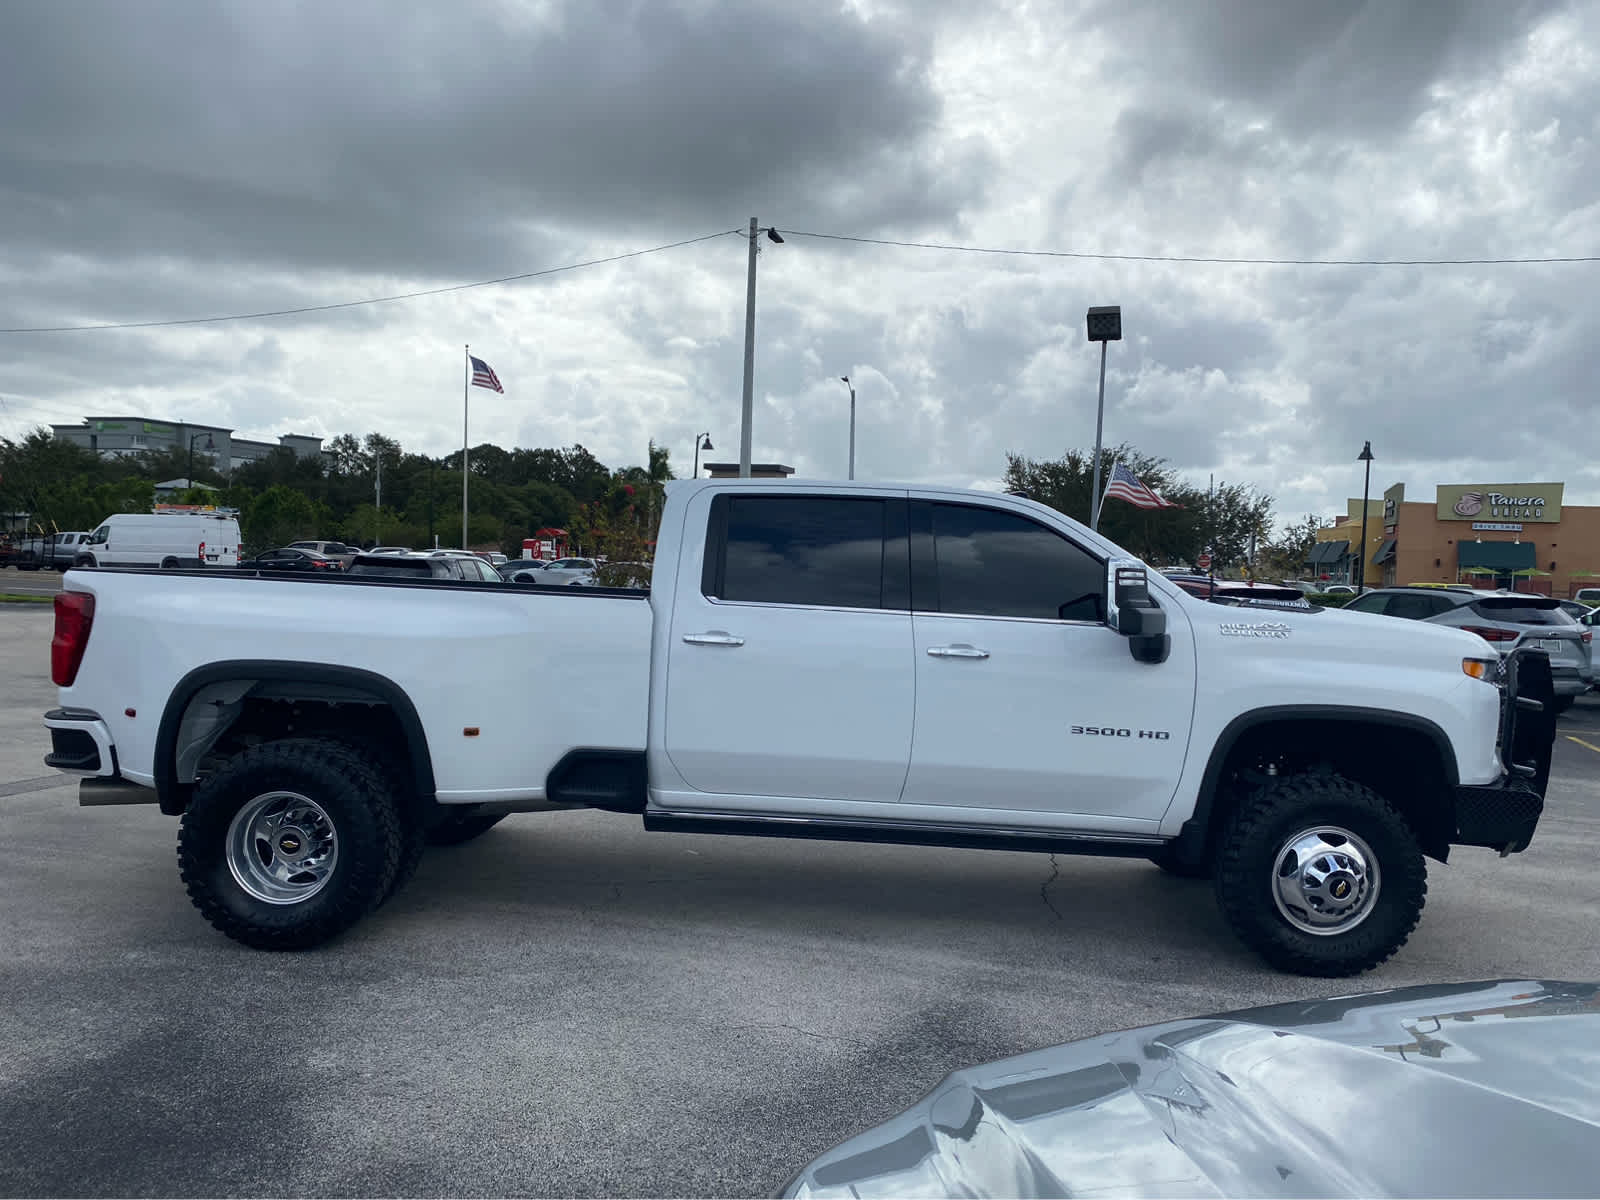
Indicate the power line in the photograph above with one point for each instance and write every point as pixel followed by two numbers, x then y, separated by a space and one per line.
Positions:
pixel 1195 258
pixel 311 308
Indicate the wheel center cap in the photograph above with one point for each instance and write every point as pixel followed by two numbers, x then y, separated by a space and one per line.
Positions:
pixel 1340 887
pixel 291 843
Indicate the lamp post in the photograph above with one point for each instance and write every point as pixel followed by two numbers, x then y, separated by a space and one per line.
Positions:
pixel 702 441
pixel 845 379
pixel 210 446
pixel 1105 325
pixel 1366 486
pixel 750 347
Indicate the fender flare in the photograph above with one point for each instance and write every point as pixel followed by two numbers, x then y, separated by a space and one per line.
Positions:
pixel 1192 839
pixel 385 689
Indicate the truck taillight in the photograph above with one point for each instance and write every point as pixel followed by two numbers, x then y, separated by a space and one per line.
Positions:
pixel 74 616
pixel 1490 634
pixel 1588 636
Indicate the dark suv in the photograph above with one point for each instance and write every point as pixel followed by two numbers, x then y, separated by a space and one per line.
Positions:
pixel 425 566
pixel 1506 620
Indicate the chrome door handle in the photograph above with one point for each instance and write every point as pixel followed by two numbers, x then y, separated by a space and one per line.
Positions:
pixel 959 650
pixel 716 637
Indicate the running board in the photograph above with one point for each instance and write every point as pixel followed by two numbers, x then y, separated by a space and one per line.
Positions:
pixel 905 833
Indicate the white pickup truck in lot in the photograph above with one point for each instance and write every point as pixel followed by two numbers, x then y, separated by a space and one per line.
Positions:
pixel 841 661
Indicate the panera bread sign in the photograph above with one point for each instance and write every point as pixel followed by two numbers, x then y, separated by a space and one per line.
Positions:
pixel 1501 502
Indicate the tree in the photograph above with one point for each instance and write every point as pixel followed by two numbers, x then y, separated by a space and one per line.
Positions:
pixel 278 515
pixel 1286 555
pixel 1223 521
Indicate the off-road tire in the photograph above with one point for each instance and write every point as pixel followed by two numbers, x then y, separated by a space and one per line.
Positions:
pixel 1245 866
pixel 1172 865
pixel 452 829
pixel 348 787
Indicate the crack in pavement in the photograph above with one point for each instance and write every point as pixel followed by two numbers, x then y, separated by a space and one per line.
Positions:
pixel 38 784
pixel 1044 888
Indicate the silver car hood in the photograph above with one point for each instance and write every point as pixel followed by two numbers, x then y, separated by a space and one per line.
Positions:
pixel 1487 1089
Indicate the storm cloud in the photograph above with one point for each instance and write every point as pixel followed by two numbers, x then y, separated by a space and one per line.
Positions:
pixel 173 160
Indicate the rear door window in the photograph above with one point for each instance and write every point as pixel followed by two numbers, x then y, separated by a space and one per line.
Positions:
pixel 1368 604
pixel 1416 607
pixel 814 550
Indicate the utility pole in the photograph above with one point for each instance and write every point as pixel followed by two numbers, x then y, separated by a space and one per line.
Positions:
pixel 377 500
pixel 747 406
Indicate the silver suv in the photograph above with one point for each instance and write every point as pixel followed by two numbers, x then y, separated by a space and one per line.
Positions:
pixel 1506 620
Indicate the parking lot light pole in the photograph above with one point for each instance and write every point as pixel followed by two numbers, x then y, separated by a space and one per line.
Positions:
pixel 845 379
pixel 702 441
pixel 1105 325
pixel 1366 487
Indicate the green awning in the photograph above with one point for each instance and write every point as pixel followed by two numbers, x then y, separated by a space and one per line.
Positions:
pixel 1328 553
pixel 1497 556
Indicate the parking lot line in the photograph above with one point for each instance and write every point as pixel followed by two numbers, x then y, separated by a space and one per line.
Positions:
pixel 1584 744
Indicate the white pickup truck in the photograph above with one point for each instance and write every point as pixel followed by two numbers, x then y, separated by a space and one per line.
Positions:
pixel 842 661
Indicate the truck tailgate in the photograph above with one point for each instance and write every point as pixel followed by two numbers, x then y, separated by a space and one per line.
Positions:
pixel 505 680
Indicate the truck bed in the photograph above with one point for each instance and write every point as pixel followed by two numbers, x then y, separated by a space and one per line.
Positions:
pixel 506 679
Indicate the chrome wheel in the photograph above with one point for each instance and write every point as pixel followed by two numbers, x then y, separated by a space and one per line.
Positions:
pixel 282 847
pixel 1325 880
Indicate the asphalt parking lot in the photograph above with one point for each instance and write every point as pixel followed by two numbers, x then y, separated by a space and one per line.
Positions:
pixel 570 1006
pixel 14 582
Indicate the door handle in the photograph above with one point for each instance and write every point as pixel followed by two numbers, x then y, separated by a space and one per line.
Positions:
pixel 716 637
pixel 959 650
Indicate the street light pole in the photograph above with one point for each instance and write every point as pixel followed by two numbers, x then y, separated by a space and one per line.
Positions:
pixel 700 438
pixel 747 404
pixel 845 379
pixel 1105 325
pixel 210 446
pixel 745 410
pixel 1366 488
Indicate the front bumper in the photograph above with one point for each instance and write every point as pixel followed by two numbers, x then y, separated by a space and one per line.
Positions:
pixel 1503 814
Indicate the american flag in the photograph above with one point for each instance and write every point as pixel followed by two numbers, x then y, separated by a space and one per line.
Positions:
pixel 483 375
pixel 1125 485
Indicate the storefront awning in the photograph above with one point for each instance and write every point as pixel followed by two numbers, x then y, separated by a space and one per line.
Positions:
pixel 1327 553
pixel 1497 556
pixel 1385 553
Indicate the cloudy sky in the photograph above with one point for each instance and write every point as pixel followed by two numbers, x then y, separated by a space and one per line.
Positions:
pixel 168 160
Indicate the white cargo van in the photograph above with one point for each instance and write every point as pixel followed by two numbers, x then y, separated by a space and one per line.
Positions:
pixel 163 539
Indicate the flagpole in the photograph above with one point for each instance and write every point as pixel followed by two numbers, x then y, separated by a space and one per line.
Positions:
pixel 466 382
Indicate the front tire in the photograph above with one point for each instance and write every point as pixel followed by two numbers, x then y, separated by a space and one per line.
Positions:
pixel 290 843
pixel 1319 875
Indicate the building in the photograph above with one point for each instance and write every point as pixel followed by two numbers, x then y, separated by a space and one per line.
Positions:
pixel 213 445
pixel 757 470
pixel 1510 535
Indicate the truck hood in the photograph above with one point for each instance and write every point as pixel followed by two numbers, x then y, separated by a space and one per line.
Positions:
pixel 1465 1090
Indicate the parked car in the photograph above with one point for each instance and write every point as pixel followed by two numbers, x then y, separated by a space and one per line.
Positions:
pixel 467 567
pixel 288 558
pixel 162 539
pixel 1508 621
pixel 57 551
pixel 496 559
pixel 388 550
pixel 1271 1101
pixel 957 668
pixel 1575 610
pixel 522 570
pixel 1587 595
pixel 568 572
pixel 1241 593
pixel 336 550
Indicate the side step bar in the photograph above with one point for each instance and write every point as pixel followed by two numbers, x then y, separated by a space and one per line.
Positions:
pixel 904 833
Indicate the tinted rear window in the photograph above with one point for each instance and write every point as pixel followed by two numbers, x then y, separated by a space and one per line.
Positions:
pixel 1522 610
pixel 804 550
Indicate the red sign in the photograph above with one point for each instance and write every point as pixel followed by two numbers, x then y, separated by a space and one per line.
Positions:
pixel 1203 562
